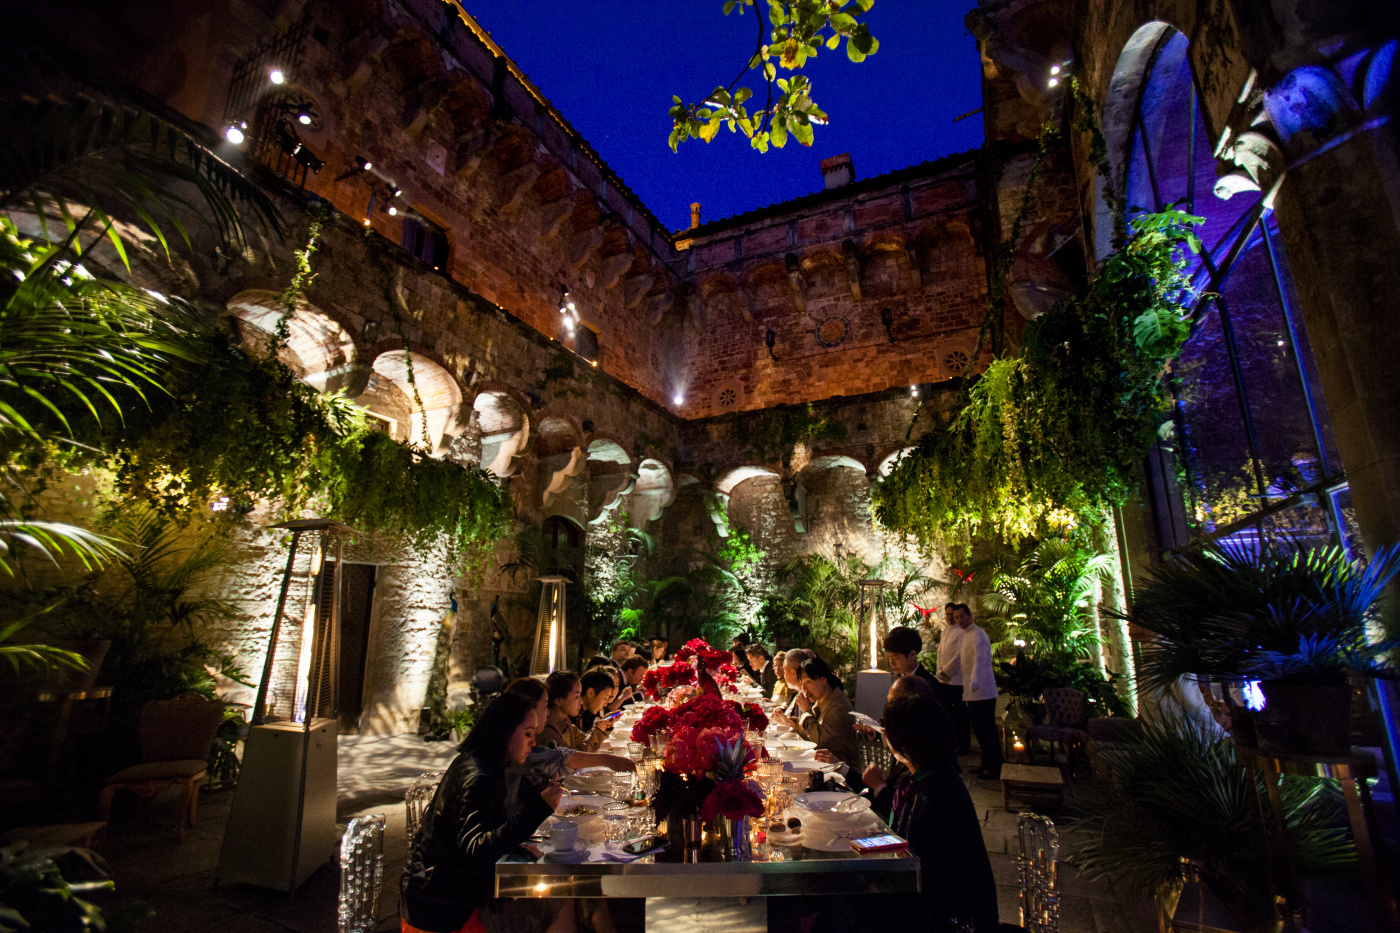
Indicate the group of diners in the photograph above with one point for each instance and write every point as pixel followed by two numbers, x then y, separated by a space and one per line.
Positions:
pixel 506 781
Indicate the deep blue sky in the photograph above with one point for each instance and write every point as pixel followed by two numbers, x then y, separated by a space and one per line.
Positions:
pixel 611 68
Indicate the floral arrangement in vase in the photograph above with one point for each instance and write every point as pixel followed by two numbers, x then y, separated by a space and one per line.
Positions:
pixel 696 665
pixel 706 762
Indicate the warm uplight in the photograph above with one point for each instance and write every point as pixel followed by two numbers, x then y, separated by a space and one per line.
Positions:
pixel 234 135
pixel 541 889
pixel 366 221
pixel 276 76
pixel 914 391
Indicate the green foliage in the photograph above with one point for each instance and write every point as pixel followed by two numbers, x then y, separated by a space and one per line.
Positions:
pixel 1052 436
pixel 1177 793
pixel 45 890
pixel 1027 677
pixel 773 433
pixel 1232 610
pixel 793 33
pixel 1048 599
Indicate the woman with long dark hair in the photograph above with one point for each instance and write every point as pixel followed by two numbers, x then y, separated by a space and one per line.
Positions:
pixel 934 812
pixel 474 821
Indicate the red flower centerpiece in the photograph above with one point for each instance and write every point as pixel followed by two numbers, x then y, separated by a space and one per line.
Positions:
pixel 733 800
pixel 653 720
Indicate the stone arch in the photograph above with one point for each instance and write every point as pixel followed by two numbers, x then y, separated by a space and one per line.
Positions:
pixel 654 491
pixel 833 491
pixel 320 349
pixel 610 477
pixel 770 287
pixel 759 503
pixel 439 392
pixel 890 460
pixel 1120 104
pixel 562 458
pixel 505 430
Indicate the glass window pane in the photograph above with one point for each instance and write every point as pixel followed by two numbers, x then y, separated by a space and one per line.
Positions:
pixel 1221 217
pixel 1283 431
pixel 1165 118
pixel 1216 445
pixel 1305 525
pixel 1346 513
pixel 1324 418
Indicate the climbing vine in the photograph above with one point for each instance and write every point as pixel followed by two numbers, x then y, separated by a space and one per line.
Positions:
pixel 1051 435
pixel 772 434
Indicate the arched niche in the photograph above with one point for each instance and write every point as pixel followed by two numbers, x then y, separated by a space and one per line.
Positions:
pixel 890 461
pixel 319 349
pixel 505 430
pixel 438 391
pixel 610 478
pixel 561 458
pixel 655 490
pixel 833 494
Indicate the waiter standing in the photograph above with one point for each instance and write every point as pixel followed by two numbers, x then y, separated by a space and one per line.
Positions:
pixel 950 680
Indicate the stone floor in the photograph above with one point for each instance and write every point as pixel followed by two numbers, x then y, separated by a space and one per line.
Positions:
pixel 176 879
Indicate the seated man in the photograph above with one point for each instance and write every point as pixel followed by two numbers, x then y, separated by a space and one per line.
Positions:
pixel 762 666
pixel 633 670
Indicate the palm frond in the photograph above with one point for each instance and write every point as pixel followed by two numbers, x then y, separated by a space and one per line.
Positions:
pixel 122 162
pixel 52 541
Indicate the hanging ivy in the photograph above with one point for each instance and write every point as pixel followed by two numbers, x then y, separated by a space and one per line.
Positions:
pixel 1052 435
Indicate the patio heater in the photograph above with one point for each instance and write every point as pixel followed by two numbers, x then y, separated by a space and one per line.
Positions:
pixel 873 683
pixel 281 827
pixel 549 654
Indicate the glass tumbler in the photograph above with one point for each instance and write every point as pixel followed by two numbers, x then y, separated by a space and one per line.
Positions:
pixel 622 782
pixel 616 825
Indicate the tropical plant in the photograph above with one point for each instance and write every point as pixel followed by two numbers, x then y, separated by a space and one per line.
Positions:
pixel 1027 678
pixel 1177 793
pixel 33 656
pixel 1047 600
pixel 1234 610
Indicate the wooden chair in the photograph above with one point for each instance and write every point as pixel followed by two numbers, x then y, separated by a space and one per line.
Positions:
pixel 175 740
pixel 1066 715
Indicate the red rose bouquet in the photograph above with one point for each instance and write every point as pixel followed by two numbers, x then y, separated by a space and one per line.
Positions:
pixel 665 677
pixel 733 800
pixel 754 717
pixel 653 720
pixel 707 711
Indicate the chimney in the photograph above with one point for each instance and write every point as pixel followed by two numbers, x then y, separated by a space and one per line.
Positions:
pixel 695 215
pixel 838 170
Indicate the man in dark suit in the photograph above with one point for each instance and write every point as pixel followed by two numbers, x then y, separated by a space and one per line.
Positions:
pixel 761 663
pixel 902 647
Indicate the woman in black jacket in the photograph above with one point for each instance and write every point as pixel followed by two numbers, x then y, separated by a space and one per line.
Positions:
pixel 934 812
pixel 471 824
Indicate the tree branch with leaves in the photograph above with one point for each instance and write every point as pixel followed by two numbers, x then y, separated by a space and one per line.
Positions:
pixel 792 32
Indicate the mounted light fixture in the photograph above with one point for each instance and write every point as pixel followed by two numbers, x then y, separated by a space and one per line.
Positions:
pixel 392 211
pixel 771 340
pixel 276 76
pixel 234 133
pixel 887 318
pixel 363 164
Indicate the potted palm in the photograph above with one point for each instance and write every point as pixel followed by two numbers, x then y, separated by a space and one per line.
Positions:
pixel 1301 620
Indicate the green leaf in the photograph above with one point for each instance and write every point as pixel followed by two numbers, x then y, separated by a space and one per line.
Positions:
pixel 780 135
pixel 708 131
pixel 802 132
pixel 834 41
pixel 729 6
pixel 843 22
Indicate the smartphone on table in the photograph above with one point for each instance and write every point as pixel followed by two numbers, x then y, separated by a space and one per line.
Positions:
pixel 886 843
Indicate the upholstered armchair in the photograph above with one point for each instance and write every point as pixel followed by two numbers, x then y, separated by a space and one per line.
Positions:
pixel 175 740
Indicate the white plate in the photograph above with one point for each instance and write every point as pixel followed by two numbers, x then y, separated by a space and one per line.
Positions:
pixel 594 773
pixel 592 801
pixel 820 806
pixel 803 767
pixel 793 741
pixel 794 754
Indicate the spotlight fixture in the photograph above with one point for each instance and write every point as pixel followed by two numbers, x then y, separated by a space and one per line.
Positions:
pixel 276 76
pixel 771 339
pixel 363 164
pixel 394 191
pixel 1054 82
pixel 678 399
pixel 304 118
pixel 914 391
pixel 234 134
pixel 887 319
pixel 393 211
pixel 1055 69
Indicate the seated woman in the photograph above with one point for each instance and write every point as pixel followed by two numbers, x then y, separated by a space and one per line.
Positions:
pixel 471 824
pixel 543 763
pixel 825 713
pixel 882 786
pixel 565 703
pixel 934 812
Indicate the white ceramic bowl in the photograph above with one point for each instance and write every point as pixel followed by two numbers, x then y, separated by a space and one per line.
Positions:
pixel 576 806
pixel 792 753
pixel 831 806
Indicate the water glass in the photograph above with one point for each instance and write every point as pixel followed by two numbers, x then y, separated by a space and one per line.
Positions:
pixel 622 785
pixel 616 825
pixel 636 751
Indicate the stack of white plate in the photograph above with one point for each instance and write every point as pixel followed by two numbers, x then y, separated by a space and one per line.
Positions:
pixel 832 819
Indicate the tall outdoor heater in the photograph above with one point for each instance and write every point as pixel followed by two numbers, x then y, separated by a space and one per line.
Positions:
pixel 873 683
pixel 549 654
pixel 281 827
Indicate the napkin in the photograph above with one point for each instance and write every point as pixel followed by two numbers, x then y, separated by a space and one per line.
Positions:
pixel 865 720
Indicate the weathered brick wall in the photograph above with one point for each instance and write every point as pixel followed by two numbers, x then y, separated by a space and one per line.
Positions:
pixel 818 272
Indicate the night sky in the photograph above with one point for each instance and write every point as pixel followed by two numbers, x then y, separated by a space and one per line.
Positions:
pixel 612 67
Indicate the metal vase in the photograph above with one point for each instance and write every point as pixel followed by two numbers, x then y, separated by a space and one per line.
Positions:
pixel 735 842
